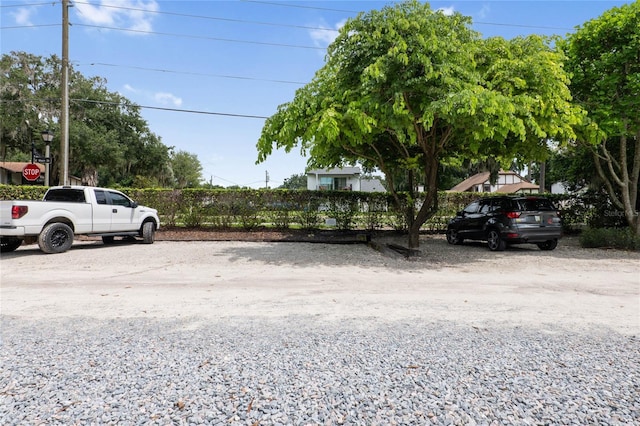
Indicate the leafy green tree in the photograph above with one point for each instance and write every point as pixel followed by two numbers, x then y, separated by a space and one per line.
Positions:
pixel 109 141
pixel 295 181
pixel 604 60
pixel 187 170
pixel 406 89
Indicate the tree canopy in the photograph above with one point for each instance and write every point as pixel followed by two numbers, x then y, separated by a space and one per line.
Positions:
pixel 405 89
pixel 295 181
pixel 187 170
pixel 110 143
pixel 604 61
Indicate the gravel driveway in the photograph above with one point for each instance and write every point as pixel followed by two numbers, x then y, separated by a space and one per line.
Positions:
pixel 249 333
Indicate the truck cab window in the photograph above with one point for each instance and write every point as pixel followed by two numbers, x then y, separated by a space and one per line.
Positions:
pixel 119 199
pixel 101 197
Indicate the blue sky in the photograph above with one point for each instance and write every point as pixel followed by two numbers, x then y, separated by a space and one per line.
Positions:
pixel 218 66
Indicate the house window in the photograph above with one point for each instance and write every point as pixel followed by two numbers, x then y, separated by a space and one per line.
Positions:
pixel 326 183
pixel 334 184
pixel 486 187
pixel 340 183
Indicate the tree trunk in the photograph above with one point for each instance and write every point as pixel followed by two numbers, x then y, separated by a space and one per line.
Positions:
pixel 622 174
pixel 90 176
pixel 430 205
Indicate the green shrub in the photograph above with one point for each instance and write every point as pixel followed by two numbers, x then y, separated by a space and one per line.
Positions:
pixel 617 238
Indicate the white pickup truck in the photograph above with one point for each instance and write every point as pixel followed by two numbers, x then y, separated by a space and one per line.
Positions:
pixel 66 211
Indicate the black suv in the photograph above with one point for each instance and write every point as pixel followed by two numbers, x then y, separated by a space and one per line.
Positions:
pixel 507 220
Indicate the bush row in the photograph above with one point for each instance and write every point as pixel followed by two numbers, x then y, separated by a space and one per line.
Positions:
pixel 303 209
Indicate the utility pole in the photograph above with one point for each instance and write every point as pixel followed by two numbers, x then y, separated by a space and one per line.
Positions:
pixel 266 179
pixel 64 110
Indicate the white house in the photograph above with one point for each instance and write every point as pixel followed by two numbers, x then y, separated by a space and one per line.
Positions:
pixel 342 179
pixel 508 182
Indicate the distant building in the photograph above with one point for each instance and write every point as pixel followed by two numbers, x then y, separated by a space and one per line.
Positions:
pixel 11 173
pixel 508 182
pixel 342 179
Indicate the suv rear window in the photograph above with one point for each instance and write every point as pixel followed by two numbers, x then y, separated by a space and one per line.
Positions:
pixel 535 204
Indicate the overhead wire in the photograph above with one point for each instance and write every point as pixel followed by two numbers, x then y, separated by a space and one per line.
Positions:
pixel 251 22
pixel 213 18
pixel 160 70
pixel 229 40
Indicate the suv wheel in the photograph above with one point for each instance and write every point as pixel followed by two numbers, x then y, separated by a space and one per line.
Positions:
pixel 548 245
pixel 495 242
pixel 453 237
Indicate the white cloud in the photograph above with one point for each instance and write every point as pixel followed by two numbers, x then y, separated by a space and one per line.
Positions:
pixel 164 98
pixel 130 14
pixel 484 11
pixel 23 16
pixel 325 36
pixel 131 89
pixel 447 11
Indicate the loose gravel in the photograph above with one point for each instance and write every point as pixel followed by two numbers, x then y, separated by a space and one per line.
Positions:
pixel 307 371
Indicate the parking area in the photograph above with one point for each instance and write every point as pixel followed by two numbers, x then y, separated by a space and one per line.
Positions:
pixel 211 280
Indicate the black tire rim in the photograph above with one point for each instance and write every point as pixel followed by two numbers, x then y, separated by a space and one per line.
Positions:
pixel 493 240
pixel 59 238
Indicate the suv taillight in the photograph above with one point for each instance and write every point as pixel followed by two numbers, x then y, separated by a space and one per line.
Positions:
pixel 513 215
pixel 18 211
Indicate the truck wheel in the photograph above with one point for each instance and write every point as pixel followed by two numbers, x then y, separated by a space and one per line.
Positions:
pixel 9 244
pixel 55 238
pixel 148 232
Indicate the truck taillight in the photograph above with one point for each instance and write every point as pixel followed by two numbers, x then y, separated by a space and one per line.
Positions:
pixel 18 211
pixel 513 215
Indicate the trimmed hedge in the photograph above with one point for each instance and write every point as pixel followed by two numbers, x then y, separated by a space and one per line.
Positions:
pixel 302 209
pixel 615 238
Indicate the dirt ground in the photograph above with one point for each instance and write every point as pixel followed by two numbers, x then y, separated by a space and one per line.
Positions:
pixel 201 279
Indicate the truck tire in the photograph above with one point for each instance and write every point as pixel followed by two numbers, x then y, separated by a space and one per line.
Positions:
pixel 148 232
pixel 55 238
pixel 107 239
pixel 9 244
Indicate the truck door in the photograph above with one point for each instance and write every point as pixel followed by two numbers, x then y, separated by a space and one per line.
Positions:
pixel 124 217
pixel 101 212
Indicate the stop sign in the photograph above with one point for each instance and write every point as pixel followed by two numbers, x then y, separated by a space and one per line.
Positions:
pixel 31 172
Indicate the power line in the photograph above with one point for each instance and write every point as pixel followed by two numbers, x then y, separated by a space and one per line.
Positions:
pixel 260 22
pixel 200 37
pixel 193 73
pixel 213 18
pixel 25 5
pixel 20 27
pixel 190 111
pixel 92 101
pixel 299 6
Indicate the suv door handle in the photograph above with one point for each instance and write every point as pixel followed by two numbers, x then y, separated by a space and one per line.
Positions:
pixel 114 210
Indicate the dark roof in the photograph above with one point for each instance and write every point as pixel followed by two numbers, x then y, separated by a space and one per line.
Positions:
pixel 17 166
pixel 470 182
pixel 483 177
pixel 515 187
